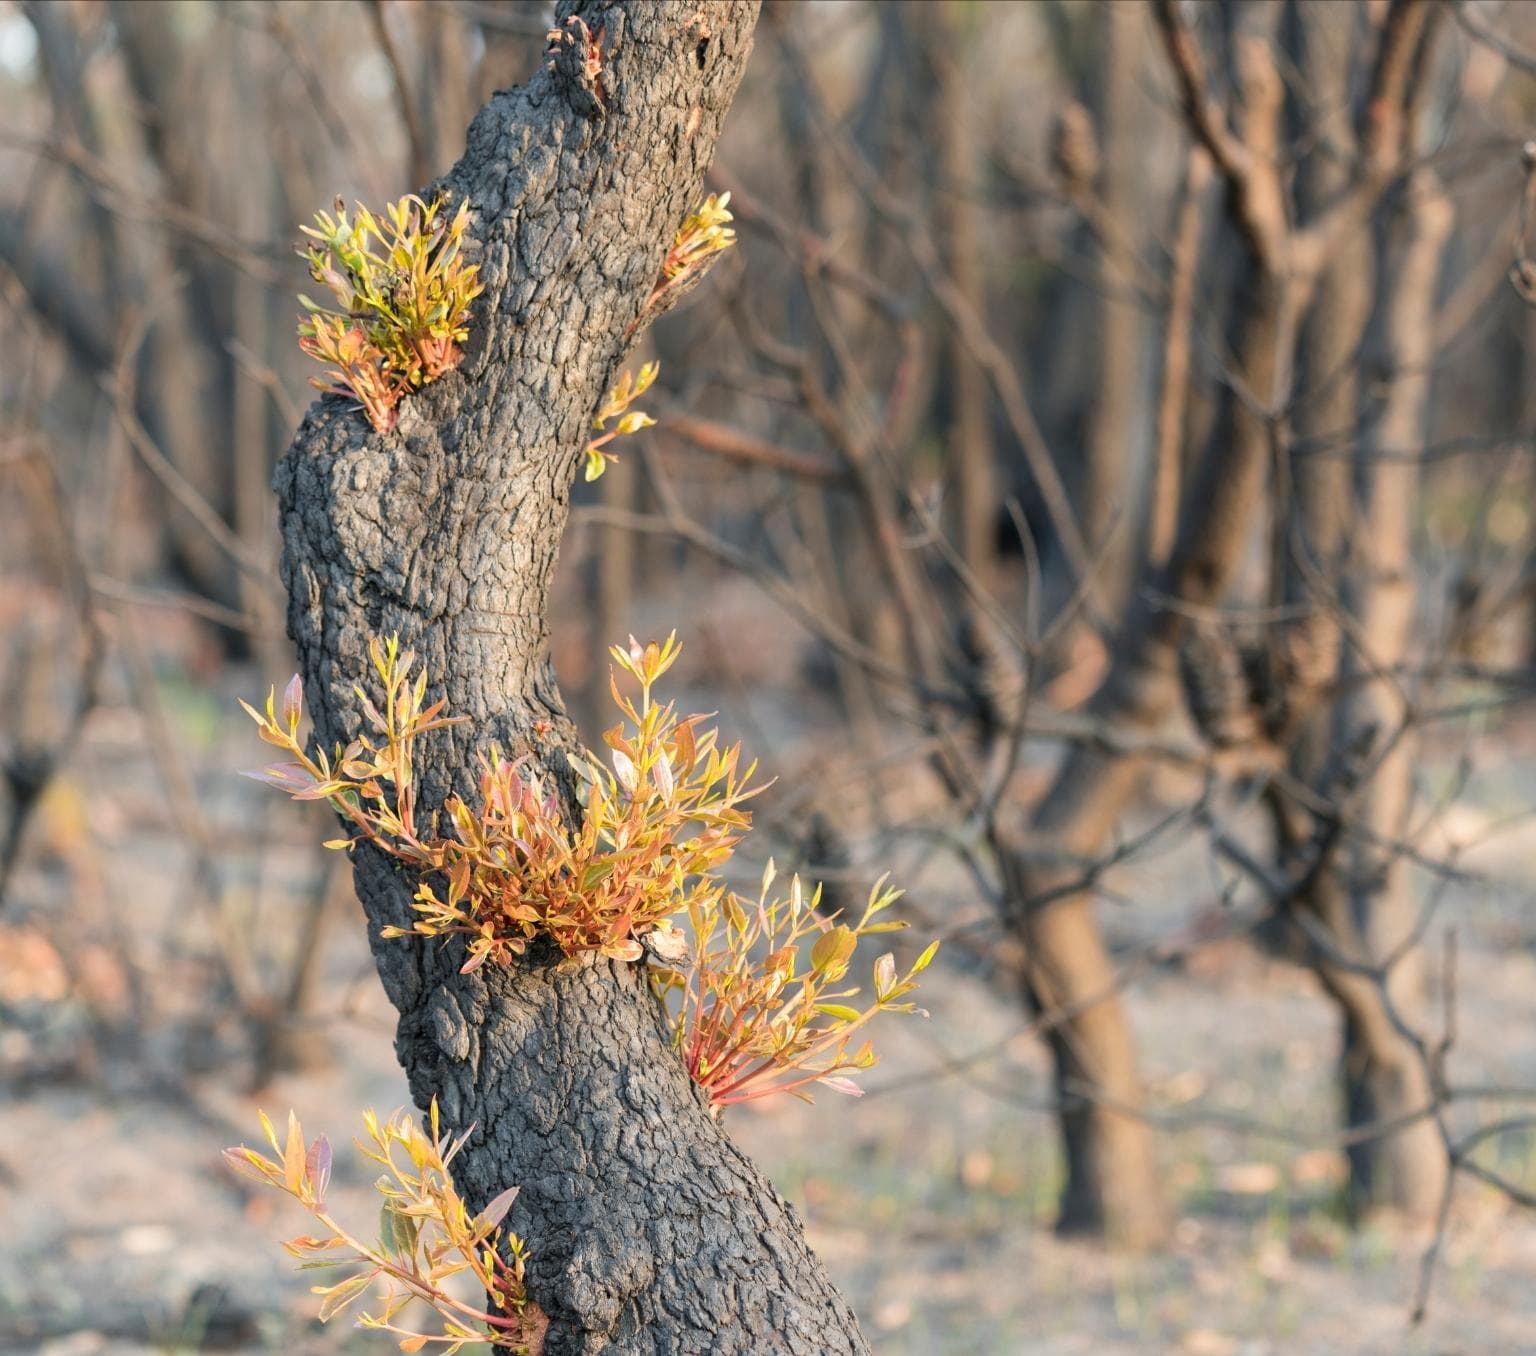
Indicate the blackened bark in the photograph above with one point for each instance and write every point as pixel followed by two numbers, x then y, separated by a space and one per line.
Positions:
pixel 650 1232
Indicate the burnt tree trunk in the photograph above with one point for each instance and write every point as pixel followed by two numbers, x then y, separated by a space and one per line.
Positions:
pixel 650 1232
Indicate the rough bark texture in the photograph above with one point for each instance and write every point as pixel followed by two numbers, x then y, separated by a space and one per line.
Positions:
pixel 650 1232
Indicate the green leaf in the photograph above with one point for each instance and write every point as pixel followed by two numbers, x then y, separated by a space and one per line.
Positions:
pixel 833 950
pixel 923 961
pixel 397 1232
pixel 595 873
pixel 634 421
pixel 841 1011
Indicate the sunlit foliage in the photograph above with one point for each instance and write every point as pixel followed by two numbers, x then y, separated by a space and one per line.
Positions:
pixel 402 294
pixel 426 1236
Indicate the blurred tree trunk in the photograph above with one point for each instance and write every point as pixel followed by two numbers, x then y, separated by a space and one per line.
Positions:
pixel 188 370
pixel 174 397
pixel 1367 910
pixel 1173 401
pixel 1112 1182
pixel 1116 426
pixel 971 454
pixel 1385 1075
pixel 649 1230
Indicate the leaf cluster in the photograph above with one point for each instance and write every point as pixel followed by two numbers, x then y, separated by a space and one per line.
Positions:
pixel 426 1236
pixel 760 1013
pixel 512 867
pixel 616 406
pixel 402 296
pixel 759 1004
pixel 704 232
pixel 371 783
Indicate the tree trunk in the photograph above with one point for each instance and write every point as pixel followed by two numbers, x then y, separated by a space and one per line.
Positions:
pixel 1366 910
pixel 1116 425
pixel 650 1232
pixel 1384 1073
pixel 1113 1186
pixel 971 453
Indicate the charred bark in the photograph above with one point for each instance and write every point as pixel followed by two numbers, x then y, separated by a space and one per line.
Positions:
pixel 650 1231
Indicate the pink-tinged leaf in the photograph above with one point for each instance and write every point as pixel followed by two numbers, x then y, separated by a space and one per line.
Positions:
pixel 496 1211
pixel 885 975
pixel 846 1086
pixel 293 701
pixel 244 1162
pixel 290 777
pixel 663 774
pixel 624 767
pixel 473 963
pixel 317 1166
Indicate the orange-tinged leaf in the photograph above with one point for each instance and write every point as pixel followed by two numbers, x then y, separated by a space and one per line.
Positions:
pixel 294 1155
pixel 686 745
pixel 338 1296
pixel 293 701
